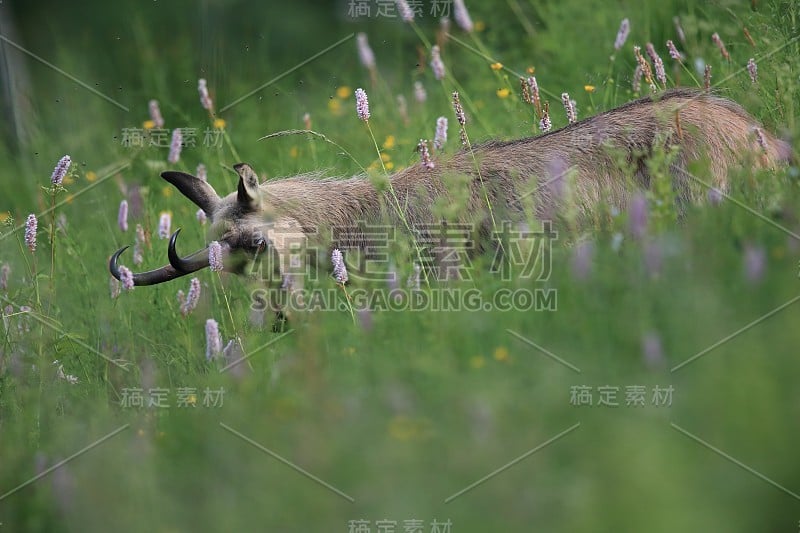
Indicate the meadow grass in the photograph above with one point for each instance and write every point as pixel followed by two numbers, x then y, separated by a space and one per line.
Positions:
pixel 395 413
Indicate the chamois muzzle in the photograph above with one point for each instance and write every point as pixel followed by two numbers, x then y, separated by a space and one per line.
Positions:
pixel 179 266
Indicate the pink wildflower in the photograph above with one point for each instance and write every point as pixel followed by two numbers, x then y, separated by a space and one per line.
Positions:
pixel 175 146
pixel 362 104
pixel 60 171
pixel 215 256
pixel 424 154
pixel 622 34
pixel 31 224
pixel 461 15
pixel 164 225
pixel 155 114
pixel 122 216
pixel 205 99
pixel 441 133
pixel 437 65
pixel 339 268
pixel 192 297
pixel 213 339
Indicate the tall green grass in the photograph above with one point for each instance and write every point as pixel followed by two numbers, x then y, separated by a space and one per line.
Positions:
pixel 409 410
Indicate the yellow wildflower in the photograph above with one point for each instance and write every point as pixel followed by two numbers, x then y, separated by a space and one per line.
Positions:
pixel 385 157
pixel 501 353
pixel 219 123
pixel 403 427
pixel 496 66
pixel 389 165
pixel 343 92
pixel 503 93
pixel 91 176
pixel 166 191
pixel 477 362
pixel 148 124
pixel 588 88
pixel 335 106
pixel 530 70
pixel 389 142
pixel 480 26
pixel 4 216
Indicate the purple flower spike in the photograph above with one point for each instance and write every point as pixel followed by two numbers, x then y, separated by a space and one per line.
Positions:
pixel 215 256
pixel 339 268
pixel 60 171
pixel 30 232
pixel 122 217
pixel 362 104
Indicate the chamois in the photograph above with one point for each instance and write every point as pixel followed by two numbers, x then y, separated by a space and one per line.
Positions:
pixel 506 175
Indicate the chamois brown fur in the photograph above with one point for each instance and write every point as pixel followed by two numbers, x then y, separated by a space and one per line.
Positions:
pixel 584 158
pixel 702 126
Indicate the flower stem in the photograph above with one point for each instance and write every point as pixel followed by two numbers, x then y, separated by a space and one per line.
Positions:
pixel 400 212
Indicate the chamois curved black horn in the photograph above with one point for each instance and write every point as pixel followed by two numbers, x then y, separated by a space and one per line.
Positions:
pixel 198 191
pixel 189 264
pixel 152 277
pixel 113 267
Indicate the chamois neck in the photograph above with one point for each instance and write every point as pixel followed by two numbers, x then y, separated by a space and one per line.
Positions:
pixel 318 203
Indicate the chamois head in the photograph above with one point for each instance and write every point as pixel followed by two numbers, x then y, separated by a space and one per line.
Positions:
pixel 238 222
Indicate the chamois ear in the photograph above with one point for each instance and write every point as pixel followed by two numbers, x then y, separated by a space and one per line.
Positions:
pixel 248 194
pixel 195 189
